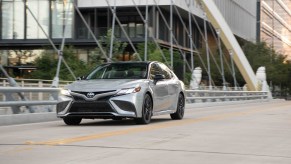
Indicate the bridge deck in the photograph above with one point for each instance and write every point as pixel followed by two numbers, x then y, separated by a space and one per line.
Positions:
pixel 239 133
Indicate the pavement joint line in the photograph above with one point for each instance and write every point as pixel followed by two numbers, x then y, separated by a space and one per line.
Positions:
pixel 147 128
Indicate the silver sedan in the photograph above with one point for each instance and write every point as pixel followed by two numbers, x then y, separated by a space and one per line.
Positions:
pixel 120 90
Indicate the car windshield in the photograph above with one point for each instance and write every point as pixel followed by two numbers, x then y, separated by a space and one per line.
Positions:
pixel 120 71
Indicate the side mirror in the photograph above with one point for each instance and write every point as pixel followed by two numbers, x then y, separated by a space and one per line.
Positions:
pixel 158 77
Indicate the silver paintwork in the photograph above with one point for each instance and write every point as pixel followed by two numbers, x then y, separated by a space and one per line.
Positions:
pixel 164 93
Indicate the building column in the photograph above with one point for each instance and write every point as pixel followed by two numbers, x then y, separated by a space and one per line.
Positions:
pixel 4 57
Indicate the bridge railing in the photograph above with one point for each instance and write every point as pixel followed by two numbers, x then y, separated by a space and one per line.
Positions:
pixel 38 92
pixel 15 102
pixel 194 96
pixel 30 83
pixel 52 100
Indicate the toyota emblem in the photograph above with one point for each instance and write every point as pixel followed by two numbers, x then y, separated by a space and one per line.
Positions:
pixel 90 95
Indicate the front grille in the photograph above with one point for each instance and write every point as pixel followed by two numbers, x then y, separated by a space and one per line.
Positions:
pixel 90 107
pixel 77 98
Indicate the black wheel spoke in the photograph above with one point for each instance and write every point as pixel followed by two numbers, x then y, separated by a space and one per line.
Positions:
pixel 179 114
pixel 146 111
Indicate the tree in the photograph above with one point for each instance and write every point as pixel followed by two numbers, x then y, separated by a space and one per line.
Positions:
pixel 47 65
pixel 21 55
pixel 277 68
pixel 97 57
pixel 155 54
pixel 258 54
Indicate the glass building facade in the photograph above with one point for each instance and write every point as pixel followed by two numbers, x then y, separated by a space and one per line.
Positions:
pixel 17 22
pixel 24 27
pixel 26 24
pixel 276 25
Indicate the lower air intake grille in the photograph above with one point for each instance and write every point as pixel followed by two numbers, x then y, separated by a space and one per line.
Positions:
pixel 90 107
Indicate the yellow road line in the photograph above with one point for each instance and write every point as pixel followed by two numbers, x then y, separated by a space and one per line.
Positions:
pixel 146 128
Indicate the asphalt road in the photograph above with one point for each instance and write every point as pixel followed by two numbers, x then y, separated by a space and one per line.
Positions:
pixel 250 133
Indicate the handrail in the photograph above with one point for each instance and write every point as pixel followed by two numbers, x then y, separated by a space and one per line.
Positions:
pixel 194 96
pixel 52 91
pixel 220 91
pixel 37 80
pixel 27 89
pixel 32 82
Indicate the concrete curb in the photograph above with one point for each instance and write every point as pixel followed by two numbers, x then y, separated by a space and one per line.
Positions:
pixel 27 118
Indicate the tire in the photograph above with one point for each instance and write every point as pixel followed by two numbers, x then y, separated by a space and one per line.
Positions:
pixel 147 110
pixel 72 120
pixel 179 114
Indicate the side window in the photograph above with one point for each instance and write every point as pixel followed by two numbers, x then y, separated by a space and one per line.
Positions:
pixel 166 71
pixel 155 69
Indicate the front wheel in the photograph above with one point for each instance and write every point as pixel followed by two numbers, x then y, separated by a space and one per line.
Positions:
pixel 179 114
pixel 72 120
pixel 147 110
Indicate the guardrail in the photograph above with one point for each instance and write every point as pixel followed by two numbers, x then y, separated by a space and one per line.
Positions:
pixel 194 96
pixel 53 91
pixel 40 83
pixel 33 82
pixel 14 97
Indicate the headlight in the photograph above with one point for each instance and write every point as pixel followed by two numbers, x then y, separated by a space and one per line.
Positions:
pixel 65 92
pixel 125 91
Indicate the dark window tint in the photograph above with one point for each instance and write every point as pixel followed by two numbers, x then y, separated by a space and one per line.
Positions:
pixel 120 71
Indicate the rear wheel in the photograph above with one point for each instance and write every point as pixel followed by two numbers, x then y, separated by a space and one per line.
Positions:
pixel 72 120
pixel 179 114
pixel 147 110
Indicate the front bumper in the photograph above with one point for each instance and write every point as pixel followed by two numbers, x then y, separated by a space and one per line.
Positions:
pixel 103 107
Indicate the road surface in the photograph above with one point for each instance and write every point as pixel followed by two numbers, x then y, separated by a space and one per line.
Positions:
pixel 249 133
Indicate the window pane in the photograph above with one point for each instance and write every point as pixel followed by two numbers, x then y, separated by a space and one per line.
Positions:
pixel 18 20
pixel 139 30
pixel 57 18
pixel 12 20
pixel 7 19
pixel 131 29
pixel 40 9
pixel 125 27
pixel 61 14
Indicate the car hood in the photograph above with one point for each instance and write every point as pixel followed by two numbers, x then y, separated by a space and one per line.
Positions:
pixel 97 85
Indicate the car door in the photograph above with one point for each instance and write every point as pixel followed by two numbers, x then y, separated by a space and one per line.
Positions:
pixel 173 87
pixel 160 89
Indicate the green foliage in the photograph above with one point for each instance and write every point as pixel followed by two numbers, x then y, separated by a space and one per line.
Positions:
pixel 258 54
pixel 47 65
pixel 215 73
pixel 261 55
pixel 96 57
pixel 155 54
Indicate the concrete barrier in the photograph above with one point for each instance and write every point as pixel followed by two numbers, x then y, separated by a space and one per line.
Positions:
pixel 27 118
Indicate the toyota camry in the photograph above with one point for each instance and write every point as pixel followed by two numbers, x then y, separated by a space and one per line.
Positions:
pixel 119 90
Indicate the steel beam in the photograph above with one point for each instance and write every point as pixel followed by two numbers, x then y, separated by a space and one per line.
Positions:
pixel 218 21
